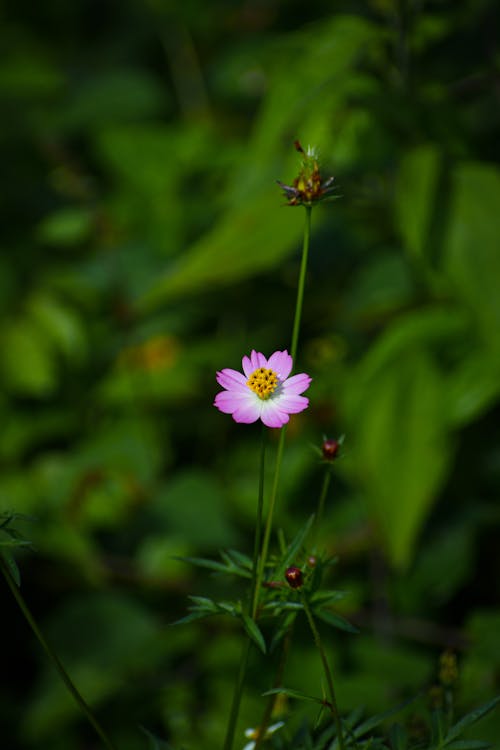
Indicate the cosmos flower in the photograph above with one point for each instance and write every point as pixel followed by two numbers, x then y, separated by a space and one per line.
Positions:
pixel 263 391
pixel 252 734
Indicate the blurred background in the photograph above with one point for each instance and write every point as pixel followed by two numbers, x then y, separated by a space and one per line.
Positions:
pixel 145 244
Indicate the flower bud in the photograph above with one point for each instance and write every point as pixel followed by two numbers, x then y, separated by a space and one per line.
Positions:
pixel 294 577
pixel 330 449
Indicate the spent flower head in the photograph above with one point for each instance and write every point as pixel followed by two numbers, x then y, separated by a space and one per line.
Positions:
pixel 309 186
pixel 263 391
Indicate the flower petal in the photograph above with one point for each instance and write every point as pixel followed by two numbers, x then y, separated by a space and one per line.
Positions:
pixel 252 363
pixel 248 412
pixel 272 415
pixel 297 383
pixel 229 401
pixel 231 380
pixel 292 403
pixel 281 363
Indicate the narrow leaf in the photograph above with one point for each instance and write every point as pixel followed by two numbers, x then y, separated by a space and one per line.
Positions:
pixel 337 621
pixel 294 547
pixel 470 719
pixel 469 745
pixel 375 721
pixel 13 568
pixel 254 632
pixel 293 694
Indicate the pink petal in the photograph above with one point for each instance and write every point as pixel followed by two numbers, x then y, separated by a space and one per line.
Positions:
pixel 229 401
pixel 281 363
pixel 292 403
pixel 247 366
pixel 297 383
pixel 248 412
pixel 231 379
pixel 252 363
pixel 272 416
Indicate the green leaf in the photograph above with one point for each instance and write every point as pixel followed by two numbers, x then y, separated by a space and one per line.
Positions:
pixel 336 620
pixel 398 737
pixel 403 449
pixel 254 632
pixel 469 745
pixel 294 694
pixel 27 361
pixel 416 197
pixel 294 548
pixel 471 255
pixel 327 597
pixel 374 721
pixel 13 567
pixel 471 718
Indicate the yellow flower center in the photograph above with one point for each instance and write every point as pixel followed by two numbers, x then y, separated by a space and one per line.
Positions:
pixel 263 382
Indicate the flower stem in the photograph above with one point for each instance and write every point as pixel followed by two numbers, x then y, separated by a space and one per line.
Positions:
pixel 83 705
pixel 254 600
pixel 270 511
pixel 327 671
pixel 293 353
pixel 238 691
pixel 258 528
pixel 322 497
pixel 301 284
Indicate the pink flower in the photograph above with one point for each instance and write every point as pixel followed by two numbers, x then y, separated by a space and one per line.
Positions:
pixel 264 391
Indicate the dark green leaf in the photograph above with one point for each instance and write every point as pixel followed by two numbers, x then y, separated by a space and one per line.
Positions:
pixel 471 718
pixel 254 632
pixel 294 694
pixel 336 620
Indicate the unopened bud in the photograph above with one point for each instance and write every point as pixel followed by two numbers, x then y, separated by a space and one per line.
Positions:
pixel 330 449
pixel 294 577
pixel 311 561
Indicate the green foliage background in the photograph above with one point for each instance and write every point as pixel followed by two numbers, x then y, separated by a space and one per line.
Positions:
pixel 145 244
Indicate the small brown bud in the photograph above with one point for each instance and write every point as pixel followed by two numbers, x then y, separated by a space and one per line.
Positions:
pixel 330 449
pixel 311 561
pixel 294 577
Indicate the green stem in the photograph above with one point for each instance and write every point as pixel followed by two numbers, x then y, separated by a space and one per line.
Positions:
pixel 254 601
pixel 327 671
pixel 238 691
pixel 301 284
pixel 256 582
pixel 270 512
pixel 322 497
pixel 278 681
pixel 54 658
pixel 293 353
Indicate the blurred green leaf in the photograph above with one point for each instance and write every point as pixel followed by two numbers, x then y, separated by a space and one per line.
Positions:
pixel 402 445
pixel 469 719
pixel 27 361
pixel 415 197
pixel 471 255
pixel 66 227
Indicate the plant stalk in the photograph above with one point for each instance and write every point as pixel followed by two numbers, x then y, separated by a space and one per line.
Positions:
pixel 326 669
pixel 83 705
pixel 254 600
